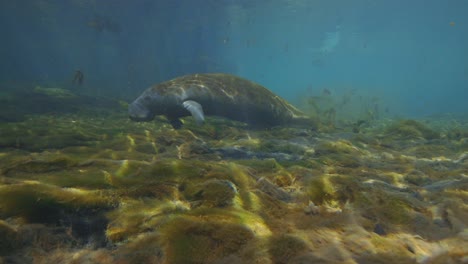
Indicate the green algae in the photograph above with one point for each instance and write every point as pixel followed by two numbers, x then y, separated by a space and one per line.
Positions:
pixel 386 207
pixel 240 226
pixel 43 203
pixel 48 133
pixel 265 165
pixel 428 151
pixel 199 241
pixel 214 193
pixel 177 169
pixel 340 160
pixel 8 238
pixel 457 133
pixel 200 235
pixel 282 147
pixel 338 147
pixel 133 217
pixel 145 248
pixel 283 248
pixel 44 163
pixel 411 129
pixel 321 189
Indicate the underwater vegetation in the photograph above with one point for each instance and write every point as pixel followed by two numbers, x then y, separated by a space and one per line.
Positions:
pixel 80 183
pixel 410 129
pixel 343 107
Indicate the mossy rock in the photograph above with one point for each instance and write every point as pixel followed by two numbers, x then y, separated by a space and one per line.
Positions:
pixel 191 240
pixel 411 129
pixel 385 207
pixel 278 146
pixel 284 248
pixel 44 163
pixel 457 134
pixel 321 189
pixel 395 210
pixel 43 203
pixel 283 178
pixel 8 238
pixel 340 160
pixel 336 147
pixel 134 217
pixel 51 140
pixel 334 189
pixel 428 151
pixel 265 165
pixel 157 190
pixel 135 174
pixel 417 177
pixel 215 193
pixel 177 169
pixel 146 248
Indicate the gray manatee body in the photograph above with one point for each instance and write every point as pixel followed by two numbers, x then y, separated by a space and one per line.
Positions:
pixel 215 94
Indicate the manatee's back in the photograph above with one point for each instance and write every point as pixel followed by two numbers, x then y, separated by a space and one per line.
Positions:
pixel 244 100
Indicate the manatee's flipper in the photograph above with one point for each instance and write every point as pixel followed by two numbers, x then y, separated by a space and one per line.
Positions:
pixel 195 109
pixel 176 123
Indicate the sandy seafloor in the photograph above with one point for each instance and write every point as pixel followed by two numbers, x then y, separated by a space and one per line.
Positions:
pixel 81 183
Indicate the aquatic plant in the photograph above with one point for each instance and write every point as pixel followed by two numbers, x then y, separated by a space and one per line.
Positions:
pixel 214 193
pixel 189 239
pixel 410 129
pixel 284 248
pixel 42 203
pixel 8 238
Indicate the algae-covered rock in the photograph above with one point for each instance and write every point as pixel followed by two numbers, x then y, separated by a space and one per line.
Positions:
pixel 428 151
pixel 340 160
pixel 146 248
pixel 457 133
pixel 285 248
pixel 35 135
pixel 321 189
pixel 340 146
pixel 193 240
pixel 8 238
pixel 410 129
pixel 215 193
pixel 41 164
pixel 79 210
pixel 43 203
pixel 133 217
pixel 54 92
pixel 273 190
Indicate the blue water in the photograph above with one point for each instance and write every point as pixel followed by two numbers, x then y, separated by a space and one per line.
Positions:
pixel 411 55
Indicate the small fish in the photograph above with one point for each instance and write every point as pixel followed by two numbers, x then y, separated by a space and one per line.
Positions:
pixel 78 77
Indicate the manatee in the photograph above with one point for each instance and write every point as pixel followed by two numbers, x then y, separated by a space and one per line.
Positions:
pixel 216 94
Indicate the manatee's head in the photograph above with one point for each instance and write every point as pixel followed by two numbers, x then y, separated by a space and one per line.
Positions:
pixel 162 99
pixel 140 109
pixel 138 112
